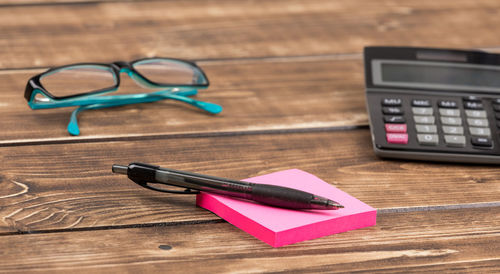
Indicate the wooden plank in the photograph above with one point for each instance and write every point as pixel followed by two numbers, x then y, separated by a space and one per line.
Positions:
pixel 256 95
pixel 200 29
pixel 462 240
pixel 48 2
pixel 71 185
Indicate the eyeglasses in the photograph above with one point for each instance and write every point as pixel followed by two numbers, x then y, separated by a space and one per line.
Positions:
pixel 83 84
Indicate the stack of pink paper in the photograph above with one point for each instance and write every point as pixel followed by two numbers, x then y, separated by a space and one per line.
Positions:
pixel 279 226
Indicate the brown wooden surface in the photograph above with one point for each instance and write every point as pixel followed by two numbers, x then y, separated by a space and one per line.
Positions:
pixel 200 29
pixel 303 94
pixel 416 241
pixel 289 75
pixel 71 186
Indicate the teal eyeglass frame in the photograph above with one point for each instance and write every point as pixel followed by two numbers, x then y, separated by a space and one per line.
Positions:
pixel 40 98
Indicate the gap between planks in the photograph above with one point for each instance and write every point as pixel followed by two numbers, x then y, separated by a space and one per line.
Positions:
pixel 251 60
pixel 143 137
pixel 63 3
pixel 383 211
pixel 236 60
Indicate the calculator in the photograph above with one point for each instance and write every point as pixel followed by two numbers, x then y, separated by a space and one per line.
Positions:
pixel 434 104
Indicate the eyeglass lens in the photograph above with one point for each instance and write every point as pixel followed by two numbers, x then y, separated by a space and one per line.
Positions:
pixel 78 79
pixel 169 72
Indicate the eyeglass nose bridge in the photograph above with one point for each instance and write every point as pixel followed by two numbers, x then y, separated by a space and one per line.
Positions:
pixel 122 66
pixel 127 68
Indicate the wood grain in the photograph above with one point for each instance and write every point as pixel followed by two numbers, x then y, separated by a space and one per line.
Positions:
pixel 103 31
pixel 256 95
pixel 277 67
pixel 71 185
pixel 452 240
pixel 15 3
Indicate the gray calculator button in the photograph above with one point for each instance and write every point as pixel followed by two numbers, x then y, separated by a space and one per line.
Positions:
pixel 453 130
pixel 475 113
pixel 473 105
pixel 449 112
pixel 480 131
pixel 424 102
pixel 391 102
pixel 392 110
pixel 426 128
pixel 428 139
pixel 454 140
pixel 477 122
pixel 447 104
pixel 424 119
pixel 422 111
pixel 453 121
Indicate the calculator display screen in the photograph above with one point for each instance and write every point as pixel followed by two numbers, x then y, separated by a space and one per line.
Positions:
pixel 439 75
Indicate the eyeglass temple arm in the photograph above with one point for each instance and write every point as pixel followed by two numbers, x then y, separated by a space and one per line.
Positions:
pixel 73 128
pixel 50 103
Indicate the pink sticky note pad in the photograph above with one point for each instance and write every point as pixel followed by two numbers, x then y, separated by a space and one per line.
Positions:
pixel 279 226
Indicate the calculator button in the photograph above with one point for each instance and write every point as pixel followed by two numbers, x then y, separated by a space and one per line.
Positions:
pixel 392 110
pixel 454 140
pixel 453 130
pixel 480 131
pixel 475 113
pixel 496 101
pixel 422 111
pixel 477 122
pixel 447 104
pixel 496 107
pixel 391 102
pixel 426 128
pixel 428 139
pixel 394 119
pixel 453 121
pixel 395 128
pixel 424 119
pixel 473 105
pixel 481 141
pixel 421 103
pixel 497 115
pixel 472 98
pixel 397 138
pixel 449 112
pixel 498 124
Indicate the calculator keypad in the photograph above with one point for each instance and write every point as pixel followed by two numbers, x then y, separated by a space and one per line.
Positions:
pixel 425 124
pixel 467 124
pixel 478 124
pixel 395 126
pixel 451 123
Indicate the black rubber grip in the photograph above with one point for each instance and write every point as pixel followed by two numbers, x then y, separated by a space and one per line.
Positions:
pixel 141 173
pixel 281 196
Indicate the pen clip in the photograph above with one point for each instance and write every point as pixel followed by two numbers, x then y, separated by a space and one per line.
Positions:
pixel 144 175
pixel 150 186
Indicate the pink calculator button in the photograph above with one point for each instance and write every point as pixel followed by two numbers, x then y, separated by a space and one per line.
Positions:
pixel 395 128
pixel 397 138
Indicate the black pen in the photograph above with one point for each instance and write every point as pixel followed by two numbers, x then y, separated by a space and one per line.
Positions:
pixel 145 175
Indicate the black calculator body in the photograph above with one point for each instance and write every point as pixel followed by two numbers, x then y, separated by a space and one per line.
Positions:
pixel 434 104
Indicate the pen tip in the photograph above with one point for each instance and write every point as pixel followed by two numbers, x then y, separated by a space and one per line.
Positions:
pixel 334 205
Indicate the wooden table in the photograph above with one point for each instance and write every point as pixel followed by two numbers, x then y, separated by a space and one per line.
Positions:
pixel 289 75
